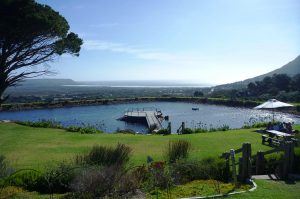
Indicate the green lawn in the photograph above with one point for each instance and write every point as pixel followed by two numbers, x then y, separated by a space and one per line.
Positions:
pixel 27 147
pixel 269 189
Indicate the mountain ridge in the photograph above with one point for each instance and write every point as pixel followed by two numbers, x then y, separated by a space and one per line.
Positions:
pixel 291 68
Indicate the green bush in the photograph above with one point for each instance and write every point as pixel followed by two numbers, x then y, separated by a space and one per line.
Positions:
pixel 41 124
pixel 297 160
pixel 204 129
pixel 163 132
pixel 273 162
pixel 106 156
pixel 5 170
pixel 73 128
pixel 53 180
pixel 27 179
pixel 159 177
pixel 126 131
pixel 86 129
pixel 187 131
pixel 224 127
pixel 208 168
pixel 107 182
pixel 177 150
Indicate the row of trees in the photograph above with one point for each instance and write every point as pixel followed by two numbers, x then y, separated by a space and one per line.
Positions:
pixel 279 86
pixel 274 84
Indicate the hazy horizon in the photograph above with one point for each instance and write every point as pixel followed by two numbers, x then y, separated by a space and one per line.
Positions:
pixel 211 42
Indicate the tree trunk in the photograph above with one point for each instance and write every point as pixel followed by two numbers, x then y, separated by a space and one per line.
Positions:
pixel 3 84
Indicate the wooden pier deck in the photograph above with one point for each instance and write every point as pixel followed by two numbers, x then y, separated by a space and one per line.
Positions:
pixel 153 118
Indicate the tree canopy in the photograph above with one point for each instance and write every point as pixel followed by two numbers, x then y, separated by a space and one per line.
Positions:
pixel 279 86
pixel 31 34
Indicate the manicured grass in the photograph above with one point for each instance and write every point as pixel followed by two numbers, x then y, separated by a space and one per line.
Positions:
pixel 27 147
pixel 269 189
pixel 266 189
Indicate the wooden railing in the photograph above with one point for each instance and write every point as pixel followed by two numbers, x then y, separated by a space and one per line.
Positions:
pixel 245 167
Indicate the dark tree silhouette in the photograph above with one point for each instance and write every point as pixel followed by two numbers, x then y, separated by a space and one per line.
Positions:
pixel 198 94
pixel 31 34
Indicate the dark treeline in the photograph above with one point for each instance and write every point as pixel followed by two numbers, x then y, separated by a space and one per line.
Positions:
pixel 279 86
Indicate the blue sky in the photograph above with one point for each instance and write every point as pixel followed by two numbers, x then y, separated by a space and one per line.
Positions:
pixel 205 41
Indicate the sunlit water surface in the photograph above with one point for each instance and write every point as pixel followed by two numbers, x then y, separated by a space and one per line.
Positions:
pixel 105 116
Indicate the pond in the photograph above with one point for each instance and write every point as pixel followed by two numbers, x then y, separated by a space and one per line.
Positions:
pixel 105 116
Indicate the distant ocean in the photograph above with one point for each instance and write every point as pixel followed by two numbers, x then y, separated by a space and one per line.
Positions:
pixel 137 84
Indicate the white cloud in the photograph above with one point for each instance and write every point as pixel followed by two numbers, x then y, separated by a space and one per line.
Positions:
pixel 141 53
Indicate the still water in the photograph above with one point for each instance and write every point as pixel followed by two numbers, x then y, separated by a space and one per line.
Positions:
pixel 105 116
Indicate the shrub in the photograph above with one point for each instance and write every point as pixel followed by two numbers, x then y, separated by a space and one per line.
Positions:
pixel 132 180
pixel 126 131
pixel 85 130
pixel 208 168
pixel 112 181
pixel 159 177
pixel 224 127
pixel 274 162
pixel 187 131
pixel 73 128
pixel 255 125
pixel 10 192
pixel 106 156
pixel 52 180
pixel 26 179
pixel 177 150
pixel 57 179
pixel 202 128
pixel 41 124
pixel 5 170
pixel 96 182
pixel 163 132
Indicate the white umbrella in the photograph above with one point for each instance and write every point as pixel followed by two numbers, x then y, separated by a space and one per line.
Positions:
pixel 272 104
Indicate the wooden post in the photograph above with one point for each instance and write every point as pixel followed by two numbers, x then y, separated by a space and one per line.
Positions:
pixel 246 163
pixel 169 128
pixel 288 159
pixel 249 161
pixel 182 126
pixel 292 156
pixel 260 163
pixel 226 155
pixel 232 153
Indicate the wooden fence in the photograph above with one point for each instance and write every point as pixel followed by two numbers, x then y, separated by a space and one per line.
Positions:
pixel 245 166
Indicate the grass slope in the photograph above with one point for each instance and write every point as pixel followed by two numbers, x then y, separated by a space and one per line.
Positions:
pixel 269 189
pixel 27 147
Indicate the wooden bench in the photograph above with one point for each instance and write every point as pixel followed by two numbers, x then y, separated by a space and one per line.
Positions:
pixel 271 141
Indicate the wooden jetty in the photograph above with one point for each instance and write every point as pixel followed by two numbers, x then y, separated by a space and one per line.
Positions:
pixel 152 118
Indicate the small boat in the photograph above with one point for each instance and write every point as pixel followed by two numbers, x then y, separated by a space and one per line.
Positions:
pixel 195 109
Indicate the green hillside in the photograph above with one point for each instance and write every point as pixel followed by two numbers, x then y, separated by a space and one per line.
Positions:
pixel 292 68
